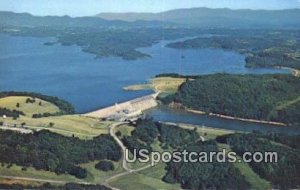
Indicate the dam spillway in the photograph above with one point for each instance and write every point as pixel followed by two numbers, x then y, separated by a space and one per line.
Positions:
pixel 127 109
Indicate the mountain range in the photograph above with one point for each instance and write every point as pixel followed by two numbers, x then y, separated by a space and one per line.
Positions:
pixel 193 17
pixel 206 17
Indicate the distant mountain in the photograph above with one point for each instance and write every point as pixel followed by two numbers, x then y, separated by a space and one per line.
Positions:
pixel 205 17
pixel 28 20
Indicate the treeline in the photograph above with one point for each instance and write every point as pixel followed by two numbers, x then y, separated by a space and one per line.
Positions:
pixel 285 173
pixel 49 151
pixel 119 42
pixel 11 113
pixel 205 175
pixel 104 165
pixel 189 175
pixel 47 186
pixel 263 48
pixel 147 131
pixel 40 115
pixel 248 96
pixel 107 42
pixel 176 75
pixel 64 106
pixel 223 175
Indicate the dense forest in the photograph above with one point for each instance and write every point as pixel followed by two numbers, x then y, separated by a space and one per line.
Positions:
pixel 106 42
pixel 222 175
pixel 285 173
pixel 262 48
pixel 189 175
pixel 64 106
pixel 147 131
pixel 205 175
pixel 264 97
pixel 49 151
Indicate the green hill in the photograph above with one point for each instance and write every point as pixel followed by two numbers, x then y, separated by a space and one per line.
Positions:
pixel 261 97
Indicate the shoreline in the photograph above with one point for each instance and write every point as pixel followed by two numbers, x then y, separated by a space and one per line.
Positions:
pixel 294 72
pixel 192 126
pixel 199 112
pixel 236 118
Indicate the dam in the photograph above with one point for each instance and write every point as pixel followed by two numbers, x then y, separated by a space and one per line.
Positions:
pixel 126 110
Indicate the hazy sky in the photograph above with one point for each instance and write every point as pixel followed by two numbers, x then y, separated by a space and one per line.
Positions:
pixel 92 7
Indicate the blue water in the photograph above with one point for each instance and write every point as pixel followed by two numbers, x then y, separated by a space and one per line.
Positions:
pixel 166 114
pixel 89 84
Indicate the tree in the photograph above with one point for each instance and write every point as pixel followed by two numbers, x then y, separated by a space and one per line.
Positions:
pixel 118 133
pixel 105 166
pixel 18 105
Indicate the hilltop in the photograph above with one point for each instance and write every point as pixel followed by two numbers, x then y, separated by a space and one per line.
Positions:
pixel 206 17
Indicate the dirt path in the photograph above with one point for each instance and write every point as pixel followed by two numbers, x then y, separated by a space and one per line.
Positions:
pixel 127 169
pixel 124 163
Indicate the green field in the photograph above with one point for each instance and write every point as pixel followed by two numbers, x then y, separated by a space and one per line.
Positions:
pixel 36 174
pixel 86 128
pixel 149 179
pixel 256 182
pixel 160 84
pixel 207 132
pixel 69 125
pixel 79 126
pixel 38 107
pixel 94 176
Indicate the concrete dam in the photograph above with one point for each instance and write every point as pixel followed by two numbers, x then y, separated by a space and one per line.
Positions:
pixel 126 110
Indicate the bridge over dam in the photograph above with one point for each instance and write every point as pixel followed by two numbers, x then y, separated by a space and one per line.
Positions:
pixel 125 110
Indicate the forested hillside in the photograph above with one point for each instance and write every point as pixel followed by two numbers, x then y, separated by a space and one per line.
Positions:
pixel 262 97
pixel 217 18
pixel 221 175
pixel 262 48
pixel 285 173
pixel 49 151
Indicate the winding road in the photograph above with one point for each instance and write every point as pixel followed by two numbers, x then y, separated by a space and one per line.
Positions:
pixel 127 169
pixel 124 163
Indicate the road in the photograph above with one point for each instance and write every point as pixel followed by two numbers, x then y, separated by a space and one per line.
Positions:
pixel 127 169
pixel 124 163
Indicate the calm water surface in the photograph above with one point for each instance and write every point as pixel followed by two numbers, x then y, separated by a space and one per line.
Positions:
pixel 67 72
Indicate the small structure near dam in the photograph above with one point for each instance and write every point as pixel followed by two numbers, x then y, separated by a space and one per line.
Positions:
pixel 126 110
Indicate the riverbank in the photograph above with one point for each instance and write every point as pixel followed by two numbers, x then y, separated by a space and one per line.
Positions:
pixel 295 72
pixel 200 112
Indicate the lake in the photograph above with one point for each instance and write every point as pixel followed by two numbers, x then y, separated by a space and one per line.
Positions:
pixel 26 64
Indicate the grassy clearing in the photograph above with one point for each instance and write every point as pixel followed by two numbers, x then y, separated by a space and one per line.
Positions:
pixel 79 126
pixel 161 84
pixel 283 106
pixel 287 103
pixel 19 182
pixel 37 174
pixel 125 130
pixel 254 179
pixel 94 176
pixel 38 107
pixel 206 132
pixel 98 177
pixel 149 179
pixel 69 125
